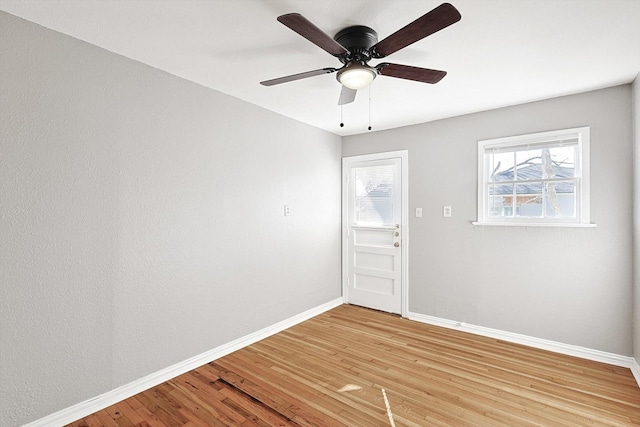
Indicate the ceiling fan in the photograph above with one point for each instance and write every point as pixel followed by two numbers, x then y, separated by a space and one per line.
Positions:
pixel 355 46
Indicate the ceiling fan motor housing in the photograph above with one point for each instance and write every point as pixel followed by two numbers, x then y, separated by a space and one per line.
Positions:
pixel 357 39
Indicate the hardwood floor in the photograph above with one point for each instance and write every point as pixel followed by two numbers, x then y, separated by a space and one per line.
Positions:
pixel 343 367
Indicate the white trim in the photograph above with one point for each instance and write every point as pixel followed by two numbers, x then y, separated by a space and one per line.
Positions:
pixel 404 169
pixel 557 347
pixel 82 409
pixel 536 224
pixel 372 227
pixel 404 164
pixel 635 370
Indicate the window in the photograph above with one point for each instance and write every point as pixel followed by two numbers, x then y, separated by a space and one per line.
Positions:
pixel 538 179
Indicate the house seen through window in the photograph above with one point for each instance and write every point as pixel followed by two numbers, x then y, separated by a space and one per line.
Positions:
pixel 535 179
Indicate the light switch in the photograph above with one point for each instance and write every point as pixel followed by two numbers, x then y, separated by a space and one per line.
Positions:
pixel 418 212
pixel 446 211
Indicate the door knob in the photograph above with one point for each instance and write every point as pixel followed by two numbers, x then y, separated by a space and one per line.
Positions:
pixel 396 244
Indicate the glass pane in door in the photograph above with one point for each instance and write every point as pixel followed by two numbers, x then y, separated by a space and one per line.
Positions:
pixel 375 198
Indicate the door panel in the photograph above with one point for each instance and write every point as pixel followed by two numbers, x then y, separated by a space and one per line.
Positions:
pixel 374 280
pixel 376 284
pixel 375 261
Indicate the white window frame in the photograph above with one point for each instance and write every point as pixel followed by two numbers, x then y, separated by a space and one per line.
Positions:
pixel 582 219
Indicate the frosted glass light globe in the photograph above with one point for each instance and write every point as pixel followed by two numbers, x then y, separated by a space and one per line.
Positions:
pixel 356 76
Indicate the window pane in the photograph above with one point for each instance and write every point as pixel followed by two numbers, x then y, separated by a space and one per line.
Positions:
pixel 562 160
pixel 374 195
pixel 528 164
pixel 501 166
pixel 529 200
pixel 501 200
pixel 560 199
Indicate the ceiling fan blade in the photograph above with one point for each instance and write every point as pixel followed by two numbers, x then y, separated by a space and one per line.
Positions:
pixel 315 35
pixel 298 76
pixel 424 75
pixel 347 96
pixel 429 23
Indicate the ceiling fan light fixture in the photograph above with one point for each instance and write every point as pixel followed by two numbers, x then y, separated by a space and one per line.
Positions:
pixel 356 75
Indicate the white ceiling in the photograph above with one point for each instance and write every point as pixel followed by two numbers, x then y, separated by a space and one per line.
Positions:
pixel 502 52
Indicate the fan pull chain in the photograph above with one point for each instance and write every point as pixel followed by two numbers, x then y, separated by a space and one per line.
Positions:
pixel 369 128
pixel 341 119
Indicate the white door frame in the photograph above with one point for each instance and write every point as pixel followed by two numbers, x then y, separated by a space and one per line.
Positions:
pixel 403 155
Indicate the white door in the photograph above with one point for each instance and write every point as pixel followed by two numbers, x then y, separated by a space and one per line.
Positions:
pixel 375 239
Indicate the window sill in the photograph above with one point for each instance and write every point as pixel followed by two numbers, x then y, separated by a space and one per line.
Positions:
pixel 532 224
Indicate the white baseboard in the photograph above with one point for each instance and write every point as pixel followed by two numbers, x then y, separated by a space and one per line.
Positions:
pixel 635 370
pixel 82 409
pixel 571 350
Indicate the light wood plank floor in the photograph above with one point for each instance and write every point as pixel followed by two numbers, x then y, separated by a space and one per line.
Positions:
pixel 347 366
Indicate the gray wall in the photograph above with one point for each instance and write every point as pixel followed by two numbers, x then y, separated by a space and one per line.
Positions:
pixel 141 220
pixel 570 285
pixel 636 218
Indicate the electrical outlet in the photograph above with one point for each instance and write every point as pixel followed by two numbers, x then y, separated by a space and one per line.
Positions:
pixel 287 210
pixel 446 211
